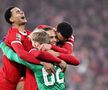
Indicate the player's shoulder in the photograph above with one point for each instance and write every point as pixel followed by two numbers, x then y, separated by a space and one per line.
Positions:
pixel 12 30
pixel 71 40
pixel 15 30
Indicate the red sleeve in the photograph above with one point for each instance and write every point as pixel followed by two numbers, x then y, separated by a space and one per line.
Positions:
pixel 11 36
pixel 35 52
pixel 69 59
pixel 66 48
pixel 45 56
pixel 19 49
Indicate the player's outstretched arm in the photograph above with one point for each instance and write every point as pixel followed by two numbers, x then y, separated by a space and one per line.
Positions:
pixel 45 56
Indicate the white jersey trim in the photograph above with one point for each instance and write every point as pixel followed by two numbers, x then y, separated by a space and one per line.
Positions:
pixel 15 42
pixel 32 50
pixel 23 33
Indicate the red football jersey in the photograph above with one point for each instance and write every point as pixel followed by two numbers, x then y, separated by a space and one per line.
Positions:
pixel 11 69
pixel 14 39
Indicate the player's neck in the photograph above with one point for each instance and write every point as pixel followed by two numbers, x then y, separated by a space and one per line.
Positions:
pixel 21 28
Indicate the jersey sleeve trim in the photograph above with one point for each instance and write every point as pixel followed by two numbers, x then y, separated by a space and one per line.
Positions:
pixel 15 42
pixel 32 50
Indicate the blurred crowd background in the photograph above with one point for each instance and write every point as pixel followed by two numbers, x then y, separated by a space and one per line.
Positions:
pixel 89 19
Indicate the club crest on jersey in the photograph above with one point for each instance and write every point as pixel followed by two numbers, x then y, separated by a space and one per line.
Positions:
pixel 18 37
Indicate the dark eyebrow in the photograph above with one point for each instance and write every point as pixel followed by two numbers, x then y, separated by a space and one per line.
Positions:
pixel 52 36
pixel 17 10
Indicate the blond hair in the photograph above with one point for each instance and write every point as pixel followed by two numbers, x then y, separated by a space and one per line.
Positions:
pixel 40 37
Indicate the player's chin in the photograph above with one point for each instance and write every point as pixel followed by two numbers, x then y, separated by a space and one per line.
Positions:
pixel 23 23
pixel 23 20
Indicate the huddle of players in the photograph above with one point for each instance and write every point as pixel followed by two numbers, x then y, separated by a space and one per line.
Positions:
pixel 44 52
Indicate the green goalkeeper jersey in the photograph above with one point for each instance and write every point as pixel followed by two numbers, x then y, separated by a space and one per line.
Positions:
pixel 49 82
pixel 43 79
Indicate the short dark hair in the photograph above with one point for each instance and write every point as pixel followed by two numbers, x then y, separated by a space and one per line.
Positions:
pixel 8 14
pixel 65 29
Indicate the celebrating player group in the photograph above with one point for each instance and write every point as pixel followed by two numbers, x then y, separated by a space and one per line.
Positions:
pixel 35 60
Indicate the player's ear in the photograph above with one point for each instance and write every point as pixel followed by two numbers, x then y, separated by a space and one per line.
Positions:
pixel 11 19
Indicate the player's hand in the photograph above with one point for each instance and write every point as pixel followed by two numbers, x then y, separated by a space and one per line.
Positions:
pixel 48 67
pixel 20 84
pixel 54 52
pixel 36 45
pixel 63 65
